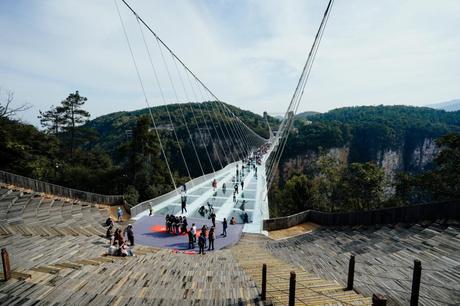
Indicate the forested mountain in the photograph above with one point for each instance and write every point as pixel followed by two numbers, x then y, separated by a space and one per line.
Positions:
pixel 389 147
pixel 369 131
pixel 348 158
pixel 113 128
pixel 120 152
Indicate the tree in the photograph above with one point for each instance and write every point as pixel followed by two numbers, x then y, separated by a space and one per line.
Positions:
pixel 73 116
pixel 297 195
pixel 53 119
pixel 444 181
pixel 6 105
pixel 362 186
pixel 327 180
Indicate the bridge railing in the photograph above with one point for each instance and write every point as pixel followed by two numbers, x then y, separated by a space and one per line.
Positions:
pixel 143 206
pixel 52 189
pixel 393 215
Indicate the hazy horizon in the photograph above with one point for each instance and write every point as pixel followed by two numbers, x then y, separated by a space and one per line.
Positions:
pixel 249 53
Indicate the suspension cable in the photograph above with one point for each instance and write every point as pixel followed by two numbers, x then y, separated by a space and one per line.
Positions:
pixel 145 94
pixel 182 63
pixel 298 93
pixel 196 122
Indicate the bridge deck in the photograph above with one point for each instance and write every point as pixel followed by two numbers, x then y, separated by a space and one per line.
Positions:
pixel 250 200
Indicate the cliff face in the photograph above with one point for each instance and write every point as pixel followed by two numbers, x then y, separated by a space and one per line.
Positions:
pixel 391 160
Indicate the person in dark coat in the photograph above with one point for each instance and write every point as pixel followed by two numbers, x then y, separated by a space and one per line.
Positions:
pixel 224 225
pixel 211 238
pixel 201 243
pixel 191 240
pixel 130 234
pixel 109 232
pixel 213 218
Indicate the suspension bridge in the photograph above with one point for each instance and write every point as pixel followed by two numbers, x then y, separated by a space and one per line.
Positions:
pixel 243 162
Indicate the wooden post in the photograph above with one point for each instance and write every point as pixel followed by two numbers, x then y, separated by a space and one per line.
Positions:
pixel 351 273
pixel 6 265
pixel 416 282
pixel 379 300
pixel 292 289
pixel 264 282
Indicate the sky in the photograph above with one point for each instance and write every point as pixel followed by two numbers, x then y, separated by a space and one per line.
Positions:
pixel 249 53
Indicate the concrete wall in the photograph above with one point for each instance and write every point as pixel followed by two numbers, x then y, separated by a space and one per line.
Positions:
pixel 407 214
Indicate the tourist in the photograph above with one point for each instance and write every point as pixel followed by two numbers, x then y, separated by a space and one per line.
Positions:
pixel 130 234
pixel 204 231
pixel 245 217
pixel 177 222
pixel 168 223
pixel 242 207
pixel 184 188
pixel 183 200
pixel 224 188
pixel 210 207
pixel 183 228
pixel 224 226
pixel 109 232
pixel 120 214
pixel 213 218
pixel 150 210
pixel 109 222
pixel 191 239
pixel 201 243
pixel 232 221
pixel 236 187
pixel 125 250
pixel 116 236
pixel 242 185
pixel 193 230
pixel 211 238
pixel 112 250
pixel 202 210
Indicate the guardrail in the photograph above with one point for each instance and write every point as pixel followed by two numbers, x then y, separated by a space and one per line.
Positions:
pixel 406 214
pixel 141 207
pixel 48 188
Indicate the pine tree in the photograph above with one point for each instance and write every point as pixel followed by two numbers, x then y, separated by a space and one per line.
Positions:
pixel 73 116
pixel 52 120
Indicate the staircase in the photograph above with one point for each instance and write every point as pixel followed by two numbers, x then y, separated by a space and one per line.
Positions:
pixel 384 258
pixel 310 289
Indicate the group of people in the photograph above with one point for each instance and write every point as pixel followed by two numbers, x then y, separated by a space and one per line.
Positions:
pixel 176 225
pixel 118 244
pixel 206 236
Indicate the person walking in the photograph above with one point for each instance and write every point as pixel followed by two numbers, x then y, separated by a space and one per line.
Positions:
pixel 120 214
pixel 183 199
pixel 224 226
pixel 201 243
pixel 211 238
pixel 150 210
pixel 242 185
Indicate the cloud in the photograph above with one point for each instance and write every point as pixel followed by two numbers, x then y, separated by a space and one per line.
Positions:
pixel 250 53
